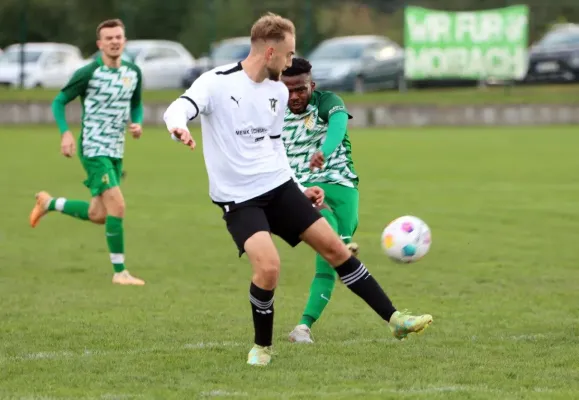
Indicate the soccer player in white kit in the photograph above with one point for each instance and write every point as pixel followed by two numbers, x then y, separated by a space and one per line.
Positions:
pixel 242 107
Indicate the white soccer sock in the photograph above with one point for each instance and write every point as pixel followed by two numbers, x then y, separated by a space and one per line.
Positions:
pixel 117 258
pixel 59 204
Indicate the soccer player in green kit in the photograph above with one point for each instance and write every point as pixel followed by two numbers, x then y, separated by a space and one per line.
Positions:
pixel 110 93
pixel 315 135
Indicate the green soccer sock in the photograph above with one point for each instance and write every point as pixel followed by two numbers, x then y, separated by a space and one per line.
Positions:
pixel 323 283
pixel 74 208
pixel 116 242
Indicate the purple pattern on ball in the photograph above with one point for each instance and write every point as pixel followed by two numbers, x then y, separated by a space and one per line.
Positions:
pixel 407 227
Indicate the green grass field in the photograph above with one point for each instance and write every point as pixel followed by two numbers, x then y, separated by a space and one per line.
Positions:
pixel 548 94
pixel 501 279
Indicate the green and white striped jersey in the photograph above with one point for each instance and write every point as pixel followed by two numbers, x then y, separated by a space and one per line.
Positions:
pixel 107 96
pixel 303 136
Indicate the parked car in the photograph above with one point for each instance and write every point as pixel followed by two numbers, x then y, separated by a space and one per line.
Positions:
pixel 224 52
pixel 357 63
pixel 48 65
pixel 163 63
pixel 555 57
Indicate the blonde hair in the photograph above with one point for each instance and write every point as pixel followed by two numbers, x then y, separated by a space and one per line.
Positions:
pixel 271 27
pixel 109 23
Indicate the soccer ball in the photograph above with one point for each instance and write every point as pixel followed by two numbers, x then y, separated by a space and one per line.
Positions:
pixel 406 239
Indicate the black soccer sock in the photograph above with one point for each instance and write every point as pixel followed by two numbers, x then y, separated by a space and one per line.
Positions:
pixel 262 306
pixel 357 278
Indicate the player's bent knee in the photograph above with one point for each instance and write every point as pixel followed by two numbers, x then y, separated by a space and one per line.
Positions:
pixel 97 212
pixel 97 216
pixel 326 242
pixel 114 202
pixel 264 259
pixel 266 275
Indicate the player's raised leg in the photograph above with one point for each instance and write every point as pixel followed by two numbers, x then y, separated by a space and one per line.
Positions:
pixel 94 211
pixel 46 203
pixel 321 290
pixel 356 277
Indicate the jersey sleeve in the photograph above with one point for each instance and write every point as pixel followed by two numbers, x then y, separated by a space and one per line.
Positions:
pixel 337 128
pixel 78 83
pixel 76 86
pixel 137 99
pixel 330 104
pixel 199 95
pixel 194 101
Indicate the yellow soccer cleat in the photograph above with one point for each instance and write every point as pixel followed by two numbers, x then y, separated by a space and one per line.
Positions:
pixel 259 356
pixel 401 324
pixel 124 278
pixel 40 208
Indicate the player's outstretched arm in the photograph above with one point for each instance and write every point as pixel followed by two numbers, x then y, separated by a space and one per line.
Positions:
pixel 337 127
pixel 332 110
pixel 137 110
pixel 67 142
pixel 75 87
pixel 176 117
pixel 196 100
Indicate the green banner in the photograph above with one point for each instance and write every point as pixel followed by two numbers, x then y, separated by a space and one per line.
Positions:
pixel 466 45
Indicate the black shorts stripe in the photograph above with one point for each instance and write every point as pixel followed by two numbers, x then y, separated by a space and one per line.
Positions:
pixel 190 100
pixel 237 68
pixel 275 137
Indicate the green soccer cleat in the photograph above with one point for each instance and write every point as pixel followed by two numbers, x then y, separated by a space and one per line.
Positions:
pixel 259 356
pixel 401 324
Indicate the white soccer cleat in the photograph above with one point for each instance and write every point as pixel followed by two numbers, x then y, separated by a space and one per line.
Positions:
pixel 301 334
pixel 124 278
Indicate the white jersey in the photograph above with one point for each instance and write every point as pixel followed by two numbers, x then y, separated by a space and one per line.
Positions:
pixel 241 124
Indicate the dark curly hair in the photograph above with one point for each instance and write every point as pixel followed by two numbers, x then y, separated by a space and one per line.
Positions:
pixel 299 66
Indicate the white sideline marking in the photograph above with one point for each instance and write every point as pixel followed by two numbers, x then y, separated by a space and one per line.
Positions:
pixel 212 345
pixel 223 393
pixel 408 391
pixel 56 355
pixel 528 337
pixel 319 394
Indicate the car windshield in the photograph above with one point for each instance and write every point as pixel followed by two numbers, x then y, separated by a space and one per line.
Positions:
pixel 12 56
pixel 560 38
pixel 132 51
pixel 231 51
pixel 338 50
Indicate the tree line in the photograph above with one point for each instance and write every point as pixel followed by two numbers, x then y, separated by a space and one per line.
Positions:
pixel 198 23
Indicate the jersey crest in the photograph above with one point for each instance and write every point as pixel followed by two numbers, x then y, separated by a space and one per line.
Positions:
pixel 273 105
pixel 310 122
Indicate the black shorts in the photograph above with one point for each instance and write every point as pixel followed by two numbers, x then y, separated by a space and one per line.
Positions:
pixel 284 211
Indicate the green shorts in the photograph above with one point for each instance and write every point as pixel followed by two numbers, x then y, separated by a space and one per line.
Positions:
pixel 344 203
pixel 102 173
